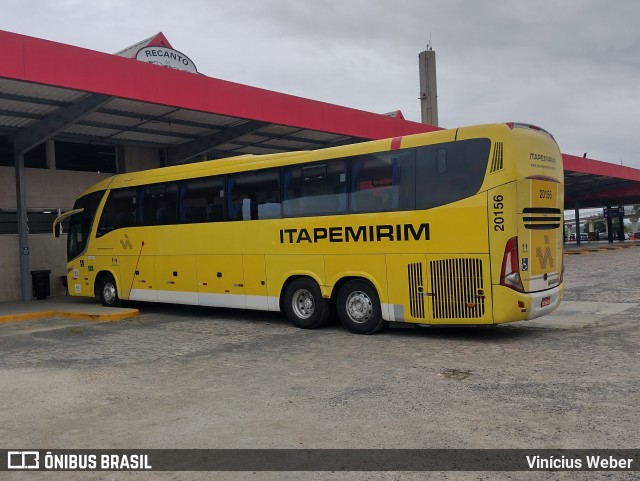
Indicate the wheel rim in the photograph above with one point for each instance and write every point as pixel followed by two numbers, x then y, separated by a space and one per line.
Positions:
pixel 303 303
pixel 359 307
pixel 109 292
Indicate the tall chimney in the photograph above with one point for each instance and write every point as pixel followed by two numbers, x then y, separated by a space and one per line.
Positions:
pixel 428 87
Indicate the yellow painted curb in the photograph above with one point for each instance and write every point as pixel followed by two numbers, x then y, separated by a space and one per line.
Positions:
pixel 29 316
pixel 25 316
pixel 99 317
pixel 588 250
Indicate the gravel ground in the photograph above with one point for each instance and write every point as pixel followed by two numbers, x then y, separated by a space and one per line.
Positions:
pixel 183 377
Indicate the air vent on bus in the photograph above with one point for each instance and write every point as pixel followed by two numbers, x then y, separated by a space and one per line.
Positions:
pixel 416 290
pixel 542 218
pixel 458 291
pixel 496 163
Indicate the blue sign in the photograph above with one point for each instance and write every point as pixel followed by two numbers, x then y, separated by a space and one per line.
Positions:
pixel 25 251
pixel 612 212
pixel 525 264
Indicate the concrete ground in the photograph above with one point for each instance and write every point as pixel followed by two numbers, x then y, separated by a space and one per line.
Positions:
pixel 184 377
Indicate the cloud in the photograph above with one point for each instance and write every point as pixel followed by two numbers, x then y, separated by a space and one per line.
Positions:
pixel 572 66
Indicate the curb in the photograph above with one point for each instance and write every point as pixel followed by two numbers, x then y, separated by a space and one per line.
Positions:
pixel 84 316
pixel 589 250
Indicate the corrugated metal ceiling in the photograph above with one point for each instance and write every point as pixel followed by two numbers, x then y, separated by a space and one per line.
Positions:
pixel 120 120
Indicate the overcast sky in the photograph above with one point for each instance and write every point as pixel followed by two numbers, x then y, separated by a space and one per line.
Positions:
pixel 570 66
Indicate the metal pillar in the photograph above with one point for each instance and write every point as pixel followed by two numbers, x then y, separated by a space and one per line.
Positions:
pixel 577 215
pixel 609 226
pixel 25 140
pixel 621 229
pixel 23 227
pixel 121 166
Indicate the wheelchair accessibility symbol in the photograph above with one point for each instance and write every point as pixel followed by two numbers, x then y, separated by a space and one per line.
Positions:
pixel 525 264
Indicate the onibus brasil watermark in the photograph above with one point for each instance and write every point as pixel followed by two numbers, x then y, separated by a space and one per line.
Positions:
pixel 320 460
pixel 34 460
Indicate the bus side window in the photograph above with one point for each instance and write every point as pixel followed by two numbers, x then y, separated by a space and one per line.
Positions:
pixel 160 204
pixel 378 179
pixel 254 195
pixel 442 161
pixel 201 200
pixel 315 189
pixel 450 172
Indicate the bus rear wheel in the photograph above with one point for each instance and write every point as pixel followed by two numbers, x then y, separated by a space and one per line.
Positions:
pixel 304 305
pixel 108 291
pixel 359 308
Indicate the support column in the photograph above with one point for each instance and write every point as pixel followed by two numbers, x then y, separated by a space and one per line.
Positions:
pixel 23 227
pixel 25 140
pixel 621 229
pixel 609 225
pixel 51 154
pixel 577 215
pixel 121 166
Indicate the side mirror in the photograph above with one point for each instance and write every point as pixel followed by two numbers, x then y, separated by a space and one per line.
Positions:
pixel 61 217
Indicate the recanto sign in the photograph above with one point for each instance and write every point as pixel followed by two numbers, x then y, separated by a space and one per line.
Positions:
pixel 167 57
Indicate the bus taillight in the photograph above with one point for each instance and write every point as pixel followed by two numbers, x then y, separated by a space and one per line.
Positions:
pixel 510 274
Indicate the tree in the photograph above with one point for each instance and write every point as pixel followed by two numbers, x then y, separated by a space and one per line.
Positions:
pixel 600 226
pixel 634 217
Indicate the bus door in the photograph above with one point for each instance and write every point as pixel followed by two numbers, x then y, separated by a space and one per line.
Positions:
pixel 176 279
pixel 540 233
pixel 77 279
pixel 221 281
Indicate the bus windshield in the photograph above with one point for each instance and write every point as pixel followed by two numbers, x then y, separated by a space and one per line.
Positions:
pixel 80 223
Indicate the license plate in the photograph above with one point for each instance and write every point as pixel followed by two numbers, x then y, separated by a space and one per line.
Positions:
pixel 545 301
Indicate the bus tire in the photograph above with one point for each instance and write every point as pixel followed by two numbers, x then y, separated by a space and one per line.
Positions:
pixel 304 305
pixel 359 308
pixel 108 291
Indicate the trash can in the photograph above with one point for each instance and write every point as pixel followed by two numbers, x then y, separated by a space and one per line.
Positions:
pixel 40 284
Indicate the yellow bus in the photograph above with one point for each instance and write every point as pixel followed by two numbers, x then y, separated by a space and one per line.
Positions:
pixel 459 226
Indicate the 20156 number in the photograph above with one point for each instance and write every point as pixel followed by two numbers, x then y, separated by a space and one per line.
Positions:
pixel 546 194
pixel 498 213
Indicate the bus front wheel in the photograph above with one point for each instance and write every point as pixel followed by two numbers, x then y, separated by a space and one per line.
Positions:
pixel 304 305
pixel 359 308
pixel 108 291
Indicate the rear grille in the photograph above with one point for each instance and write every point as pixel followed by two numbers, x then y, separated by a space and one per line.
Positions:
pixel 416 290
pixel 543 218
pixel 458 291
pixel 498 153
pixel 540 210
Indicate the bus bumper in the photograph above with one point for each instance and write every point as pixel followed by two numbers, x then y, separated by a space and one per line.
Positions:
pixel 543 303
pixel 511 306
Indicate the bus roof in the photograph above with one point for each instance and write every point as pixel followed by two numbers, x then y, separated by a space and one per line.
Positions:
pixel 251 162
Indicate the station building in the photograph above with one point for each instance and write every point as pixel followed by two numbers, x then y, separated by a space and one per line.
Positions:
pixel 70 117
